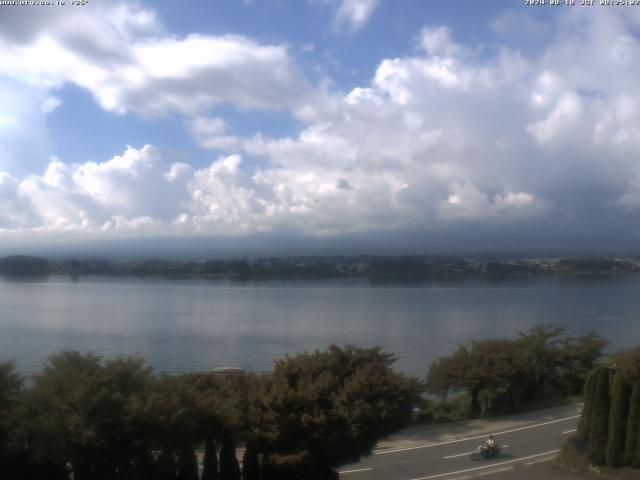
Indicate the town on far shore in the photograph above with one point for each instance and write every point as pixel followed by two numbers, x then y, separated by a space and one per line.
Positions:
pixel 372 266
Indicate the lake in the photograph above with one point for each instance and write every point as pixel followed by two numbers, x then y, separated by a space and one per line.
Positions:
pixel 198 324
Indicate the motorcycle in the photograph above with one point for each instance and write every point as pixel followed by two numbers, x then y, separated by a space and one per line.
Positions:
pixel 483 451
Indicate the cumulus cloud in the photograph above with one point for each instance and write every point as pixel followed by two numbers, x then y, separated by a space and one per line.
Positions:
pixel 90 196
pixel 451 135
pixel 438 41
pixel 124 58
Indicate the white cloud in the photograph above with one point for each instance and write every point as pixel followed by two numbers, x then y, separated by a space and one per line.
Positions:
pixel 466 202
pixel 450 135
pixel 125 60
pixel 565 113
pixel 50 104
pixel 437 41
pixel 212 133
pixel 354 14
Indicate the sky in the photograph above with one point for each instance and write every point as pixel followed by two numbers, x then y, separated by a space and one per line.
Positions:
pixel 319 126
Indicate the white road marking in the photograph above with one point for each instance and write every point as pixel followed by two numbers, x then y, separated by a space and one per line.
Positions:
pixel 458 455
pixel 469 453
pixel 491 472
pixel 466 477
pixel 356 470
pixel 448 442
pixel 570 431
pixel 528 464
pixel 439 475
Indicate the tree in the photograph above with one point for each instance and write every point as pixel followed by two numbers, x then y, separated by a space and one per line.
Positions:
pixel 628 364
pixel 579 357
pixel 439 381
pixel 585 419
pixel 542 356
pixel 187 464
pixel 486 368
pixel 83 411
pixel 229 468
pixel 250 464
pixel 167 467
pixel 10 386
pixel 599 423
pixel 177 422
pixel 456 372
pixel 632 443
pixel 327 408
pixel 618 417
pixel 210 460
pixel 499 374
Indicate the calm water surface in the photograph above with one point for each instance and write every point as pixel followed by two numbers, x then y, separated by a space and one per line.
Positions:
pixel 184 325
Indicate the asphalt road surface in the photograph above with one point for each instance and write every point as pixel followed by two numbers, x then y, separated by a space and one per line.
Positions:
pixel 527 453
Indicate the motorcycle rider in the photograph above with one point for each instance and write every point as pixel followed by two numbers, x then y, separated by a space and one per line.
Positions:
pixel 490 443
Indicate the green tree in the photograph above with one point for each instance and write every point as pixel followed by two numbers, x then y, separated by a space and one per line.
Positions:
pixel 486 369
pixel 229 468
pixel 499 374
pixel 210 460
pixel 585 419
pixel 541 361
pixel 167 467
pixel 10 387
pixel 579 357
pixel 439 381
pixel 328 408
pixel 632 443
pixel 250 464
pixel 618 417
pixel 599 423
pixel 628 364
pixel 187 464
pixel 83 411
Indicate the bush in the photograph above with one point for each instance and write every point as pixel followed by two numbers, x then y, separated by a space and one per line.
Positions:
pixel 599 429
pixel 572 455
pixel 632 444
pixel 618 421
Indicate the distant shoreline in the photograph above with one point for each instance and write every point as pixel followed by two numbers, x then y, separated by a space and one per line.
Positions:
pixel 418 268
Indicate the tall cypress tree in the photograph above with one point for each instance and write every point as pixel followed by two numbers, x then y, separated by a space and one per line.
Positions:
pixel 268 472
pixel 618 417
pixel 632 445
pixel 187 464
pixel 210 461
pixel 229 468
pixel 145 467
pixel 585 418
pixel 599 423
pixel 167 466
pixel 250 464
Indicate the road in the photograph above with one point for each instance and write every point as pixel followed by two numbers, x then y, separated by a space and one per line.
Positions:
pixel 528 448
